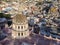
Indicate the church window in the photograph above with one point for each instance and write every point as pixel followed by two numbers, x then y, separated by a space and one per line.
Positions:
pixel 15 26
pixel 24 26
pixel 18 34
pixel 22 34
pixel 21 27
pixel 18 27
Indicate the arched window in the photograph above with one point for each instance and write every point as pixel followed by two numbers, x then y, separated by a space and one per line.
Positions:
pixel 24 26
pixel 15 27
pixel 18 27
pixel 18 34
pixel 21 34
pixel 21 27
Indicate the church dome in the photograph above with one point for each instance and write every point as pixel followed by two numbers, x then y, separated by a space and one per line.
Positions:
pixel 19 19
pixel 20 26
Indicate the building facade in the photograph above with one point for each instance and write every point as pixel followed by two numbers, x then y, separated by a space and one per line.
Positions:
pixel 20 27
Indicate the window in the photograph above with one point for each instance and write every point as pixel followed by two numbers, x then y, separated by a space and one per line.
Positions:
pixel 24 26
pixel 15 26
pixel 25 33
pixel 18 34
pixel 21 27
pixel 18 27
pixel 22 34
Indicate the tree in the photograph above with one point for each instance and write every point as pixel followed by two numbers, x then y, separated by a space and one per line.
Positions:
pixel 8 16
pixel 1 15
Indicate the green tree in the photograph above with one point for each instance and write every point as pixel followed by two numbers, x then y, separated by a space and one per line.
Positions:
pixel 1 15
pixel 8 16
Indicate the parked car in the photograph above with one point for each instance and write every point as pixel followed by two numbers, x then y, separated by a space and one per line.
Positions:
pixel 47 34
pixel 53 36
pixel 58 36
pixel 42 33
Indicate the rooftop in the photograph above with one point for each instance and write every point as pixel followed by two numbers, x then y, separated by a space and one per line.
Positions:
pixel 19 18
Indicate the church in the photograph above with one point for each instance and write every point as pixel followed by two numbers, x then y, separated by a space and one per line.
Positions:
pixel 19 26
